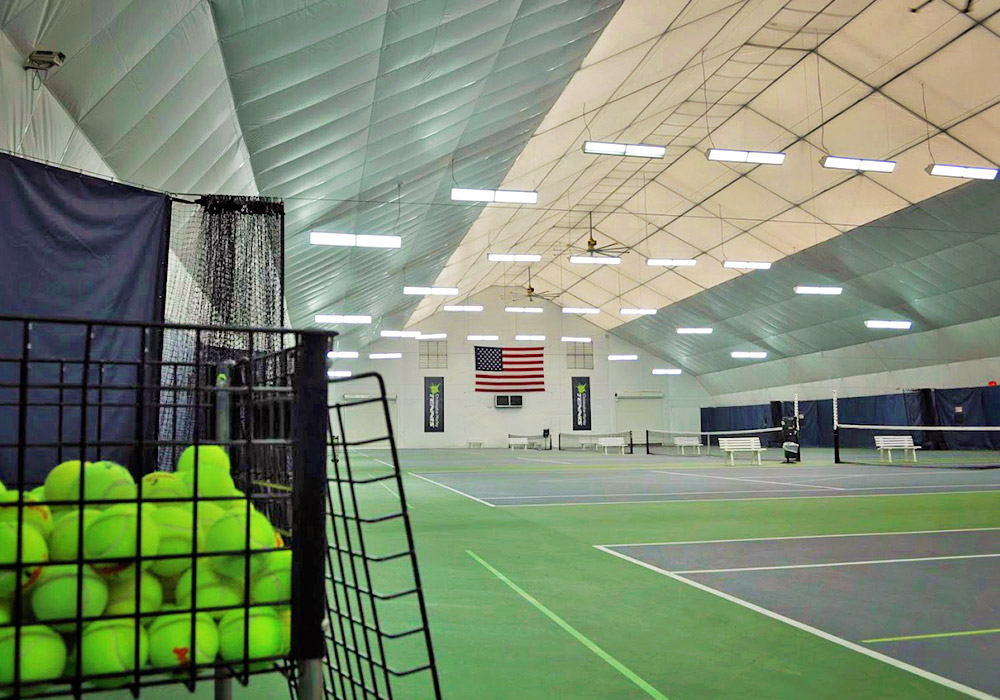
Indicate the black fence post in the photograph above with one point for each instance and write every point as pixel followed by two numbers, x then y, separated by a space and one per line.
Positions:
pixel 309 513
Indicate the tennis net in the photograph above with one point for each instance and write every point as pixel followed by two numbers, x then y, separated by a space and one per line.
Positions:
pixel 679 443
pixel 956 446
pixel 529 442
pixel 597 442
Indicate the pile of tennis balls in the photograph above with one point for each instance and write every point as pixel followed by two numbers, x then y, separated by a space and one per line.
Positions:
pixel 52 582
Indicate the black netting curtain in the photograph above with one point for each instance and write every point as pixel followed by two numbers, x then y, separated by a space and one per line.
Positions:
pixel 226 269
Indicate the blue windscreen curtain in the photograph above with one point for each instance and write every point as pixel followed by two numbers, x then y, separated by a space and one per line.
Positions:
pixel 74 246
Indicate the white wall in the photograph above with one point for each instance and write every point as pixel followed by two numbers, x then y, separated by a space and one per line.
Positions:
pixel 471 415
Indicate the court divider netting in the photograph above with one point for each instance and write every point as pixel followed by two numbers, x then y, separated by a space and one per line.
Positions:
pixel 680 443
pixel 947 446
pixel 529 442
pixel 597 442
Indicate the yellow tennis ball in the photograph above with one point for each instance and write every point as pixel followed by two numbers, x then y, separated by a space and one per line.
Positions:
pixel 42 658
pixel 213 591
pixel 162 485
pixel 36 514
pixel 54 596
pixel 285 617
pixel 229 533
pixel 114 535
pixel 210 455
pixel 65 537
pixel 121 595
pixel 107 480
pixel 214 481
pixel 63 482
pixel 264 633
pixel 5 614
pixel 34 553
pixel 38 492
pixel 109 646
pixel 177 535
pixel 208 513
pixel 172 644
pixel 274 584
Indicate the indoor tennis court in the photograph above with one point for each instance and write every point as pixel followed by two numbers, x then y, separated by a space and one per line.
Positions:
pixel 500 349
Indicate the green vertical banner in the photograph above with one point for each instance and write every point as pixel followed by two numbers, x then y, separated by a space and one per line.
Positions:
pixel 581 403
pixel 433 404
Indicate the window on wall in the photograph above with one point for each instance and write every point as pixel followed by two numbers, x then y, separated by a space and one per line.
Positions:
pixel 433 354
pixel 579 355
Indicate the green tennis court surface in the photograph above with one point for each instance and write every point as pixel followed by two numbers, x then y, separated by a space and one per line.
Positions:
pixel 524 605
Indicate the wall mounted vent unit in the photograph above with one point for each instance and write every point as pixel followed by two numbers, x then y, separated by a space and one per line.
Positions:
pixel 638 395
pixel 507 401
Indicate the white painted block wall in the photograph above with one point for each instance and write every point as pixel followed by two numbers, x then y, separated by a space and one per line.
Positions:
pixel 469 414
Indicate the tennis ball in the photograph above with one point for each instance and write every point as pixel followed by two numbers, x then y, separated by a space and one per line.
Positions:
pixel 108 481
pixel 160 485
pixel 63 482
pixel 177 534
pixel 109 646
pixel 34 553
pixel 2 487
pixel 55 593
pixel 213 591
pixel 208 513
pixel 121 595
pixel 38 492
pixel 172 645
pixel 229 533
pixel 274 584
pixel 264 633
pixel 285 617
pixel 210 455
pixel 43 654
pixel 65 537
pixel 114 535
pixel 36 514
pixel 214 481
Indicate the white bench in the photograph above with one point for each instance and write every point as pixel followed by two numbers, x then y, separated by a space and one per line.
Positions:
pixel 515 442
pixel 887 443
pixel 682 442
pixel 587 442
pixel 747 444
pixel 609 442
pixel 475 444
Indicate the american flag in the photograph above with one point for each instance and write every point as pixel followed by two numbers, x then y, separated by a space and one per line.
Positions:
pixel 509 369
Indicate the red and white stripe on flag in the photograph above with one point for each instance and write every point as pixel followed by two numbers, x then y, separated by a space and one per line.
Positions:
pixel 510 370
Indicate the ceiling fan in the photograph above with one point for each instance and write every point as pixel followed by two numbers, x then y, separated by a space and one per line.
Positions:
pixel 593 250
pixel 530 294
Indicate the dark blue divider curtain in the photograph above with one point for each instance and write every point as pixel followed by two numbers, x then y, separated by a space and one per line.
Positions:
pixel 74 246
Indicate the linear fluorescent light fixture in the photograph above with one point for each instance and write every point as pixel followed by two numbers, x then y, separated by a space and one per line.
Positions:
pixel 385 355
pixel 859 164
pixel 671 262
pixel 427 291
pixel 760 157
pixel 633 150
pixel 580 310
pixel 828 291
pixel 622 358
pixel 747 264
pixel 970 173
pixel 748 355
pixel 575 339
pixel 352 240
pixel 594 260
pixel 523 309
pixel 461 194
pixel 431 336
pixel 694 331
pixel 482 337
pixel 666 371
pixel 334 373
pixel 399 334
pixel 463 307
pixel 342 355
pixel 638 312
pixel 529 337
pixel 514 257
pixel 894 325
pixel 342 318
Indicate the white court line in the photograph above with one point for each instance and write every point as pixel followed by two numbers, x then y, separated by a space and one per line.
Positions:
pixel 923 673
pixel 737 478
pixel 633 493
pixel 382 483
pixel 550 461
pixel 460 493
pixel 863 562
pixel 730 500
pixel 804 537
pixel 376 459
